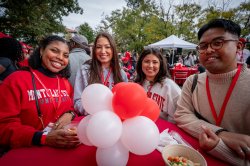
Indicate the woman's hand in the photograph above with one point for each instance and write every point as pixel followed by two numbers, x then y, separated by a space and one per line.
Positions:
pixel 64 120
pixel 208 139
pixel 240 143
pixel 62 138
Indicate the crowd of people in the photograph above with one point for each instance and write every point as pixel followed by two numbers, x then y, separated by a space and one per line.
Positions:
pixel 44 95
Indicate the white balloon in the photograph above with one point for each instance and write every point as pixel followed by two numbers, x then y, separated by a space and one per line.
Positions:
pixel 81 131
pixel 116 155
pixel 96 97
pixel 140 135
pixel 104 129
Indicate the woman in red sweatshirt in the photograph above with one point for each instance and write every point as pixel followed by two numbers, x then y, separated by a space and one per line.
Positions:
pixel 36 104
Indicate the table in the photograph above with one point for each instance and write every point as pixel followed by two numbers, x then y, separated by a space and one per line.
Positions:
pixel 85 155
pixel 188 70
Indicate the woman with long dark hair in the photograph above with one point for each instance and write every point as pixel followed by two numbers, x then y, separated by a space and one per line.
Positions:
pixel 103 68
pixel 153 75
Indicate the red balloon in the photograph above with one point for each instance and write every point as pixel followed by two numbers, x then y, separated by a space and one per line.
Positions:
pixel 152 110
pixel 117 86
pixel 129 100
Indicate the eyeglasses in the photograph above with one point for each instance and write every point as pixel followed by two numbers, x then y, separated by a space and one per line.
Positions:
pixel 214 44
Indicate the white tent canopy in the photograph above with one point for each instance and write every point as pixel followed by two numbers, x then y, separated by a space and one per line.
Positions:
pixel 173 42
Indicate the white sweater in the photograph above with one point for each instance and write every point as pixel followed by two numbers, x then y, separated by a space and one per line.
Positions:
pixel 81 83
pixel 166 96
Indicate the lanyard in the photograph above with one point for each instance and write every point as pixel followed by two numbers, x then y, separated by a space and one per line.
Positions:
pixel 229 92
pixel 149 90
pixel 105 82
pixel 50 93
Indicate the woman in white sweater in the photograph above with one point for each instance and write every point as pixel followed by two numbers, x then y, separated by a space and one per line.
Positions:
pixel 153 75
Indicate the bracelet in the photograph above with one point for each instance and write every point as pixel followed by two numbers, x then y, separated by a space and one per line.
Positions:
pixel 72 113
pixel 219 131
pixel 43 139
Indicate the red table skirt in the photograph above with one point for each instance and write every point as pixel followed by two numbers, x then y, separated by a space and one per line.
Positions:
pixel 85 155
pixel 189 70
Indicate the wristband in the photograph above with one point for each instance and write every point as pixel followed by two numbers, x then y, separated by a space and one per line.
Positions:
pixel 72 113
pixel 219 131
pixel 43 139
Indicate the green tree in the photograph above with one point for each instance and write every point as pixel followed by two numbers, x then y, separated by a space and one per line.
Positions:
pixel 133 27
pixel 212 12
pixel 143 22
pixel 31 19
pixel 186 14
pixel 242 17
pixel 86 31
pixel 240 14
pixel 166 15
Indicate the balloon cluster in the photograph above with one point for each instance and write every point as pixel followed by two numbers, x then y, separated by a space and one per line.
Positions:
pixel 119 121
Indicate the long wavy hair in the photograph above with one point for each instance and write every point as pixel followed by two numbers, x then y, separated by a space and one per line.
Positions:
pixel 96 66
pixel 161 75
pixel 35 60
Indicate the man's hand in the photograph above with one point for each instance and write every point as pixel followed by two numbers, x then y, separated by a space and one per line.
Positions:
pixel 208 139
pixel 240 143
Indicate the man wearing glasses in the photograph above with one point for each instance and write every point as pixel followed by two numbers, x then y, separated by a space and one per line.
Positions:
pixel 217 109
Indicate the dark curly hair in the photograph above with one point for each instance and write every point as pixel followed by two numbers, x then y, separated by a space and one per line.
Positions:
pixel 161 75
pixel 35 60
pixel 11 48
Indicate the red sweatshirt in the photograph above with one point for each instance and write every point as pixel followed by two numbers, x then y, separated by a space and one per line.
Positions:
pixel 18 113
pixel 23 63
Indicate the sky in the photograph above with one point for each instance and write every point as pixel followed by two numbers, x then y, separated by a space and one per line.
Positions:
pixel 95 10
